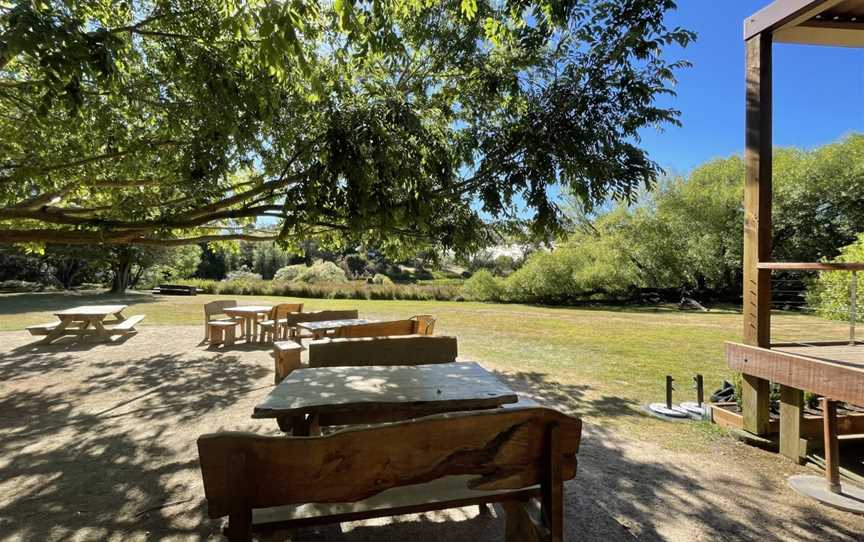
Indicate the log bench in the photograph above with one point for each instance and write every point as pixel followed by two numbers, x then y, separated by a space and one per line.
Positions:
pixel 511 456
pixel 222 331
pixel 287 356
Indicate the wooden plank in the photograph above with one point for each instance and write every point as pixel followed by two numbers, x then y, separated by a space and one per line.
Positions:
pixel 757 225
pixel 378 329
pixel 400 350
pixel 791 416
pixel 502 449
pixel 323 325
pixel 446 492
pixel 92 310
pixel 812 266
pixel 127 324
pixel 843 382
pixel 456 386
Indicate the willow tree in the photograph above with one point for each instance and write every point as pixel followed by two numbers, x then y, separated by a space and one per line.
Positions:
pixel 401 123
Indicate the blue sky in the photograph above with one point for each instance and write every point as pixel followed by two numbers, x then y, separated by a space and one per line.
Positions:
pixel 818 91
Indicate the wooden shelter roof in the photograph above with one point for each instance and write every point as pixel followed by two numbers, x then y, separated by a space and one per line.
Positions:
pixel 838 23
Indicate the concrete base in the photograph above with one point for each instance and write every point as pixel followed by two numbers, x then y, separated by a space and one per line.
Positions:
pixel 850 498
pixel 693 409
pixel 662 410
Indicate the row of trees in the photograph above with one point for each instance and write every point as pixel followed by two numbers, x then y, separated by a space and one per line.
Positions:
pixel 687 234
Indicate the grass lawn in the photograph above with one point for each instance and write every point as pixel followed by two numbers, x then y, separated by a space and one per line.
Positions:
pixel 602 363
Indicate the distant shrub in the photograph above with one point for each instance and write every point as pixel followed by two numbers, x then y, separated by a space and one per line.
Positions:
pixel 320 272
pixel 288 273
pixel 21 286
pixel 346 290
pixel 482 286
pixel 242 274
pixel 381 279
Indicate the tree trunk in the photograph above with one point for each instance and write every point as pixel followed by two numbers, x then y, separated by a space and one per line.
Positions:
pixel 122 271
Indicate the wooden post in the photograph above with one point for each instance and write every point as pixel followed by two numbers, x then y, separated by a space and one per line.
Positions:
pixel 757 225
pixel 791 413
pixel 832 447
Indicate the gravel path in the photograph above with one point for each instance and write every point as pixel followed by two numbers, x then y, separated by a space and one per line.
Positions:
pixel 97 442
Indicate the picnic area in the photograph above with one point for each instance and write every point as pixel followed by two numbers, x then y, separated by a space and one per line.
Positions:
pixel 100 437
pixel 487 270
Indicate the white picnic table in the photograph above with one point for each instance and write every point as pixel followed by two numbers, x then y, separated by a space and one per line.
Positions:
pixel 322 328
pixel 88 321
pixel 250 315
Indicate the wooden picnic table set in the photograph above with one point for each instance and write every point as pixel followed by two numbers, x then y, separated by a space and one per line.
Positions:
pixel 88 321
pixel 382 425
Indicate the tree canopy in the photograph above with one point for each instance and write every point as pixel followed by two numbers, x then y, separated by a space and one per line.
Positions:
pixel 395 123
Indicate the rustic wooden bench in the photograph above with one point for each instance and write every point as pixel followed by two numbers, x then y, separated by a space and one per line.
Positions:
pixel 222 331
pixel 42 329
pixel 394 350
pixel 127 325
pixel 510 456
pixel 422 325
pixel 287 356
pixel 175 289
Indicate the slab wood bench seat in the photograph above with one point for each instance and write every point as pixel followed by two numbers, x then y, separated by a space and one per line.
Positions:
pixel 42 329
pixel 509 456
pixel 440 494
pixel 175 289
pixel 127 325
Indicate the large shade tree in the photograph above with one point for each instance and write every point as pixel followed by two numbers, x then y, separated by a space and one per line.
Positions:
pixel 401 123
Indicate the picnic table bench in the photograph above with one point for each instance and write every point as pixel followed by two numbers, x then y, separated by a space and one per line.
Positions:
pixel 175 289
pixel 88 321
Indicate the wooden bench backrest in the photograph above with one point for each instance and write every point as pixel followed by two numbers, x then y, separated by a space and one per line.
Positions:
pixel 425 324
pixel 282 310
pixel 401 350
pixel 378 329
pixel 320 316
pixel 218 307
pixel 506 449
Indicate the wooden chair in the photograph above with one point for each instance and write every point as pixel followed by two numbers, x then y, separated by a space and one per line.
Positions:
pixel 399 350
pixel 216 328
pixel 422 325
pixel 277 321
pixel 292 320
pixel 512 456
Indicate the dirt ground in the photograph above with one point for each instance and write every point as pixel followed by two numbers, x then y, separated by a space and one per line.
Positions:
pixel 98 443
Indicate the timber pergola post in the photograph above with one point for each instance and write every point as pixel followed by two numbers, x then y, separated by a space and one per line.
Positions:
pixel 815 22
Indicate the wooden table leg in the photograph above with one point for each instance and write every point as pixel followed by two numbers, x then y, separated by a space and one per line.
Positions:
pixel 57 332
pixel 101 333
pixel 832 447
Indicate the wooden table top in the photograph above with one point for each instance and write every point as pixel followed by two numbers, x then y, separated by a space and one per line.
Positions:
pixel 446 386
pixel 243 310
pixel 92 310
pixel 333 324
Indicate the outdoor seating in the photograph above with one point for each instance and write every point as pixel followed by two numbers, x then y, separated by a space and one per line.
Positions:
pixel 392 350
pixel 276 325
pixel 422 325
pixel 88 321
pixel 215 327
pixel 510 456
pixel 292 320
pixel 175 289
pixel 287 357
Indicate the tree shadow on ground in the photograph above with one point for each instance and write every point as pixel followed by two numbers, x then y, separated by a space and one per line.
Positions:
pixel 113 455
pixel 35 358
pixel 57 301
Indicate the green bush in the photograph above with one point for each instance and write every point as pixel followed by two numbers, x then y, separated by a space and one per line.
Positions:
pixel 288 273
pixel 322 272
pixel 347 290
pixel 482 286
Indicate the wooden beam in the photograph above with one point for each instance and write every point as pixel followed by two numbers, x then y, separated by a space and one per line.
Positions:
pixel 784 13
pixel 812 266
pixel 840 382
pixel 831 35
pixel 757 225
pixel 791 416
pixel 832 447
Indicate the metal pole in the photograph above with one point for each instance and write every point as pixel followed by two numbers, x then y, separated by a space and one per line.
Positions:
pixel 700 391
pixel 669 388
pixel 853 306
